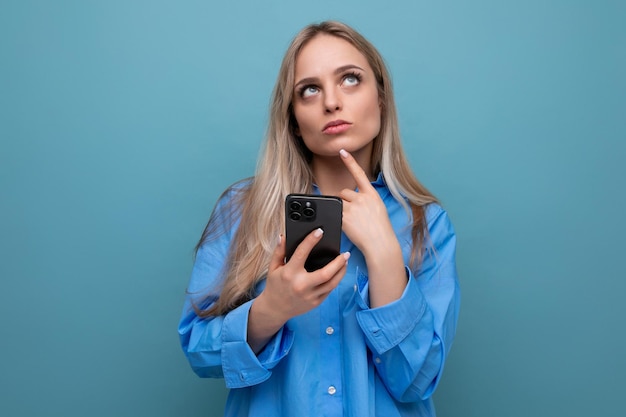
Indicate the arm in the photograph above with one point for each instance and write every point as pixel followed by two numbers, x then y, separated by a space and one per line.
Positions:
pixel 367 224
pixel 408 320
pixel 291 290
pixel 411 337
pixel 217 346
pixel 247 342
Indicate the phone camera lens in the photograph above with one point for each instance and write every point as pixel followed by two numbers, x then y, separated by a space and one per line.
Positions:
pixel 308 212
pixel 295 206
pixel 294 215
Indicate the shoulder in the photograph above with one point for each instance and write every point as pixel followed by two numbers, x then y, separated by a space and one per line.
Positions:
pixel 226 213
pixel 238 188
pixel 232 196
pixel 437 220
pixel 432 211
pixel 229 203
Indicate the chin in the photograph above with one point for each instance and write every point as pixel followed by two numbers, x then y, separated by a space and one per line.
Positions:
pixel 333 146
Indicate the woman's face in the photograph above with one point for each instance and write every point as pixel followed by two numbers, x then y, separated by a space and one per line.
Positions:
pixel 335 98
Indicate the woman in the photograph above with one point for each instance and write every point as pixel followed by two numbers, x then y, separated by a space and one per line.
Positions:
pixel 366 335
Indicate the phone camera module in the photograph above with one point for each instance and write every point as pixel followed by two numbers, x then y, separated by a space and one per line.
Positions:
pixel 301 210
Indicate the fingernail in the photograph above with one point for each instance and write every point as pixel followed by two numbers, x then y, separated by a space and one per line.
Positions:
pixel 318 232
pixel 343 153
pixel 346 255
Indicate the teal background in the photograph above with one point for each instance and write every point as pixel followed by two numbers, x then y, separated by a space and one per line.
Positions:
pixel 122 121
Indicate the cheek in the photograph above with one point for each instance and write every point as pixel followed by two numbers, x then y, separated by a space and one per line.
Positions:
pixel 303 122
pixel 371 105
pixel 373 114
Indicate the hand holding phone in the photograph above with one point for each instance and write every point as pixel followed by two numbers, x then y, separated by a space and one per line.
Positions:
pixel 305 213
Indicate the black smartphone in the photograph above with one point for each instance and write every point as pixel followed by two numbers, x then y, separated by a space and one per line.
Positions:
pixel 305 213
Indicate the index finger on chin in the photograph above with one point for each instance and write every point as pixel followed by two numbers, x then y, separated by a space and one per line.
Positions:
pixel 362 181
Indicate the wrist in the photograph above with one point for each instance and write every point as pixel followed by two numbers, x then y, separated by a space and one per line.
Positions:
pixel 263 323
pixel 386 275
pixel 268 312
pixel 387 252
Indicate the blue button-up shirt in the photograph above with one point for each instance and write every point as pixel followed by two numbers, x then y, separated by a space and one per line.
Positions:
pixel 342 358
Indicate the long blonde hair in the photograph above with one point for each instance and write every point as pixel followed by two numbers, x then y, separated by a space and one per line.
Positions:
pixel 283 168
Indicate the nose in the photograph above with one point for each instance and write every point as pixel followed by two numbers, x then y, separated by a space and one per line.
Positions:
pixel 332 100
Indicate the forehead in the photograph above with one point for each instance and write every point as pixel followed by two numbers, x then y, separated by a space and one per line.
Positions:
pixel 324 53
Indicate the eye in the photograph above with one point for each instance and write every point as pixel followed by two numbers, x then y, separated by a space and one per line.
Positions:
pixel 352 79
pixel 308 91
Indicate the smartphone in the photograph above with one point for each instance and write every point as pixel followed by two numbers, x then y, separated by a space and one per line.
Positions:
pixel 305 213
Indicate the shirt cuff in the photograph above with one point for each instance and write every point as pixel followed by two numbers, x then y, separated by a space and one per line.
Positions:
pixel 240 365
pixel 385 327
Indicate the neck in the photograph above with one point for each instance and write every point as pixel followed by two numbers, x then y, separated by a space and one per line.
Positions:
pixel 332 176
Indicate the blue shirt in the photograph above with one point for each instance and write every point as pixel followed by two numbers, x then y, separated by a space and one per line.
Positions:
pixel 341 358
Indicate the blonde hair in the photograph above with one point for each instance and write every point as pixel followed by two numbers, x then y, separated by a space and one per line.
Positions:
pixel 283 168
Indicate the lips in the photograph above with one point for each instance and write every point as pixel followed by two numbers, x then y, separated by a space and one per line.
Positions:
pixel 336 126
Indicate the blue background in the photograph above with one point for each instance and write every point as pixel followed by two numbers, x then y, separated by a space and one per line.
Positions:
pixel 122 121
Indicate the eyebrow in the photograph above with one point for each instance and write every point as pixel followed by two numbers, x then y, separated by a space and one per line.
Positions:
pixel 337 71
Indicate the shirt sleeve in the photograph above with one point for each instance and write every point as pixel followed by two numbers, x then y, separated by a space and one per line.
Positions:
pixel 411 337
pixel 217 346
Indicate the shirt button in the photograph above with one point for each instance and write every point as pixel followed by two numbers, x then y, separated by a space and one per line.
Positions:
pixel 377 360
pixel 330 330
pixel 332 390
